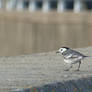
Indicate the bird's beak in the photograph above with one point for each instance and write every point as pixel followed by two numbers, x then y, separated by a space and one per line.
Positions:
pixel 57 52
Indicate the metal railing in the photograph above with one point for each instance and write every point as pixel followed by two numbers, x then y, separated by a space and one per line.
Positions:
pixel 45 5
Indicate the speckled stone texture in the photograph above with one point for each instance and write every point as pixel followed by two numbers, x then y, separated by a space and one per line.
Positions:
pixel 44 72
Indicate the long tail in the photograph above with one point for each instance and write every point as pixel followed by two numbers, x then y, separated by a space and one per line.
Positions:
pixel 87 56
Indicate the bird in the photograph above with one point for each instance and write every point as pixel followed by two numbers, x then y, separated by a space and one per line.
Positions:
pixel 71 57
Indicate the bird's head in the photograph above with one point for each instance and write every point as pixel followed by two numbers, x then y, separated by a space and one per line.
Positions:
pixel 62 50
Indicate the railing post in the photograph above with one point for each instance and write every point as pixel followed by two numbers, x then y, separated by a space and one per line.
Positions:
pixel 0 3
pixel 46 5
pixel 20 5
pixel 11 4
pixel 79 5
pixel 61 7
pixel 32 5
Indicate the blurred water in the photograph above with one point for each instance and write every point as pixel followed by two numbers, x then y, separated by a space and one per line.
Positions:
pixel 24 33
pixel 26 38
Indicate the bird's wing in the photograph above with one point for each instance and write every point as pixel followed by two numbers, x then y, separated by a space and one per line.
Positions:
pixel 71 56
pixel 74 54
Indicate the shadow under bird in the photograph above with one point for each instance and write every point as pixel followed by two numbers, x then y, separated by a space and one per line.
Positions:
pixel 71 57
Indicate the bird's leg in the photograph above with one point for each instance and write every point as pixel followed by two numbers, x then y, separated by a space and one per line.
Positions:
pixel 79 66
pixel 68 68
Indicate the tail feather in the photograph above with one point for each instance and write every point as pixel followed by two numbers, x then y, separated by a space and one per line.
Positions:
pixel 87 56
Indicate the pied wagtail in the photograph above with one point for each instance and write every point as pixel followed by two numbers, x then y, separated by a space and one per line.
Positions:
pixel 71 56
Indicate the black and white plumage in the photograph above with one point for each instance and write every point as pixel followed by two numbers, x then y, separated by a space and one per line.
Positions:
pixel 71 56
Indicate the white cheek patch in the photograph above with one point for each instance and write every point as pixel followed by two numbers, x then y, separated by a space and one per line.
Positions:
pixel 62 50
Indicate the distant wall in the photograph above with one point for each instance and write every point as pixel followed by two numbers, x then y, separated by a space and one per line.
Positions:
pixel 24 32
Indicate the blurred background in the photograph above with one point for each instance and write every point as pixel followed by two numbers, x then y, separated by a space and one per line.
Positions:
pixel 35 26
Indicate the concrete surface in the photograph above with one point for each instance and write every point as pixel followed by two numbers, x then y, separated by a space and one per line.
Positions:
pixel 43 72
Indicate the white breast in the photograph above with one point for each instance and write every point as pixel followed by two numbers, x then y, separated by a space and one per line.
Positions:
pixel 74 61
pixel 67 61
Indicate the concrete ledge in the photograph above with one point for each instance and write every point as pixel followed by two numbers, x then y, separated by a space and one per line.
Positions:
pixel 43 72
